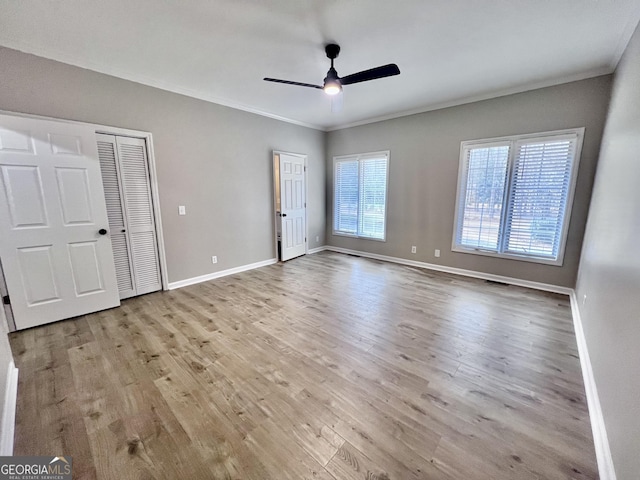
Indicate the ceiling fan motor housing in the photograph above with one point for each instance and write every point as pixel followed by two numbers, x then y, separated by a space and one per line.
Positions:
pixel 331 75
pixel 332 50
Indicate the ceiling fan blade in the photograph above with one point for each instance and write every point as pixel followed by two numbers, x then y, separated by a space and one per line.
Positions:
pixel 292 83
pixel 371 74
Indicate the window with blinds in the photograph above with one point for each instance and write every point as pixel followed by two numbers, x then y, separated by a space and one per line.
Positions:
pixel 515 194
pixel 360 195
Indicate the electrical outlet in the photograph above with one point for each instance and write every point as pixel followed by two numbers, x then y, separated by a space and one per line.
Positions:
pixel 413 249
pixel 214 259
pixel 437 253
pixel 317 238
pixel 182 210
pixel 584 299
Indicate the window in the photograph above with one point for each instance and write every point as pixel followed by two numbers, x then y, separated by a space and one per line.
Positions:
pixel 360 195
pixel 515 195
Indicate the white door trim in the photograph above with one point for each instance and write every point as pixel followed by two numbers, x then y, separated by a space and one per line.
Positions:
pixel 306 215
pixel 155 196
pixel 6 309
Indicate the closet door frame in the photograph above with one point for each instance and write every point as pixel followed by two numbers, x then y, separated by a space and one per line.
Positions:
pixel 153 183
pixel 153 177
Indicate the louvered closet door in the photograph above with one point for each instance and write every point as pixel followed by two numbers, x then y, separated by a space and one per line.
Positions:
pixel 107 152
pixel 134 217
pixel 134 168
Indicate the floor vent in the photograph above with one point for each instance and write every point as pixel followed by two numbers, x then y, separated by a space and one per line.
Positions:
pixel 493 282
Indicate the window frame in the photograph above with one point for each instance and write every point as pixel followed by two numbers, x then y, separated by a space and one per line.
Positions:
pixel 513 141
pixel 358 157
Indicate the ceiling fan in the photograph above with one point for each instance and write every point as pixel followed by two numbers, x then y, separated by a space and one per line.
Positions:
pixel 332 84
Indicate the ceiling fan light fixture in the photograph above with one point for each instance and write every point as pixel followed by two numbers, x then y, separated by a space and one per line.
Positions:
pixel 332 87
pixel 332 84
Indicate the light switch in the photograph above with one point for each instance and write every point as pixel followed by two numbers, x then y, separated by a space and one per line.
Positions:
pixel 182 210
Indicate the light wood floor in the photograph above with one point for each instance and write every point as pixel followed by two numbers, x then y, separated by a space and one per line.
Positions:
pixel 326 367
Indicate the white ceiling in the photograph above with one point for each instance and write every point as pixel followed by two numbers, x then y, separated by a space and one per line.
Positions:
pixel 449 51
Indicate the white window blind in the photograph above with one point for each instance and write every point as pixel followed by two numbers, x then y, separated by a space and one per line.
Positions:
pixel 514 195
pixel 537 202
pixel 360 195
pixel 346 196
pixel 485 178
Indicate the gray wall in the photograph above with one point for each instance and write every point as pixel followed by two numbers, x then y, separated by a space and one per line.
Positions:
pixel 610 269
pixel 214 160
pixel 423 172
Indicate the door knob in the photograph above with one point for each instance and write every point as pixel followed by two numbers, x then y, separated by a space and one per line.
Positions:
pixel 284 214
pixel 102 231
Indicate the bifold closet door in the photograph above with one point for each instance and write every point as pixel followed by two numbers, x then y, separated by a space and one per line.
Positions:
pixel 125 176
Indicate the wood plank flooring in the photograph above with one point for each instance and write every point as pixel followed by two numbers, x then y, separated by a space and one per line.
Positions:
pixel 326 367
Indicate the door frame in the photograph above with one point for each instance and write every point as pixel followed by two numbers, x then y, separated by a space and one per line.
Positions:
pixel 153 175
pixel 305 157
pixel 6 309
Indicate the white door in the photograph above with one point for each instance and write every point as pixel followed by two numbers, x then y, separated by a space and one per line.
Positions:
pixel 127 188
pixel 292 206
pixel 54 243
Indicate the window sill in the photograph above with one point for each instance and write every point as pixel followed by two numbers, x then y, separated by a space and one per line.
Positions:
pixel 510 256
pixel 350 235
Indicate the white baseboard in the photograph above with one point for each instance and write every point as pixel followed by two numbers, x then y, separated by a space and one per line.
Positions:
pixel 547 287
pixel 598 428
pixel 222 273
pixel 316 250
pixel 9 411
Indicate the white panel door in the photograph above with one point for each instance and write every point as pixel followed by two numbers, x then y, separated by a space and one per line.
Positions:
pixel 54 243
pixel 292 206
